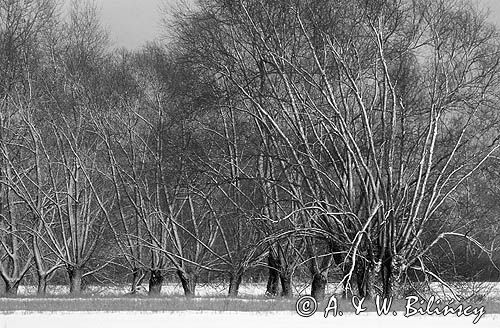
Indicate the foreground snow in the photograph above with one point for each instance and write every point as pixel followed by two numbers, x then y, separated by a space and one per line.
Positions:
pixel 234 319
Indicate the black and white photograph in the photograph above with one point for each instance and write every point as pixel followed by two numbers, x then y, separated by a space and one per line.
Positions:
pixel 250 163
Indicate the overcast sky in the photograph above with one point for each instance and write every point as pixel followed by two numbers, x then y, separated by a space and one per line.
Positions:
pixel 133 22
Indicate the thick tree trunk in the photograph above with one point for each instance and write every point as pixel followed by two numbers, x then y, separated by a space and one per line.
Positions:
pixel 234 283
pixel 386 279
pixel 188 282
pixel 364 279
pixel 75 280
pixel 319 269
pixel 286 284
pixel 12 291
pixel 155 282
pixel 11 288
pixel 273 280
pixel 318 286
pixel 42 285
pixel 391 275
pixel 3 287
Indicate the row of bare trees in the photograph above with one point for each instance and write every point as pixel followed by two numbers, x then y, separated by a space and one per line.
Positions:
pixel 346 137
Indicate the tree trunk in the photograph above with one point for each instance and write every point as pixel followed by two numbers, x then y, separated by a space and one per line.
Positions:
pixel 273 280
pixel 137 277
pixel 75 280
pixel 155 283
pixel 42 285
pixel 364 279
pixel 188 282
pixel 286 284
pixel 318 286
pixel 234 283
pixel 386 279
pixel 11 288
pixel 391 275
pixel 3 287
pixel 319 269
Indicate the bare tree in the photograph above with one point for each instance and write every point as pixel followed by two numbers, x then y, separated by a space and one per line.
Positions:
pixel 67 150
pixel 22 25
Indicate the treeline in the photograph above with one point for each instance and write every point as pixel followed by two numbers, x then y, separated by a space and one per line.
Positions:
pixel 305 137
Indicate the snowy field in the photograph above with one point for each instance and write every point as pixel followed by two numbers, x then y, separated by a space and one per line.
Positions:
pixel 169 289
pixel 251 290
pixel 235 320
pixel 209 319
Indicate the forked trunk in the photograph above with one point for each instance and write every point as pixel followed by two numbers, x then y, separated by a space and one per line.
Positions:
pixel 12 288
pixel 188 282
pixel 155 282
pixel 137 277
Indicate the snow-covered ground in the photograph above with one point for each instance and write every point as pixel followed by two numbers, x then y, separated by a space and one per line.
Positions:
pixel 202 290
pixel 231 319
pixel 246 290
pixel 235 320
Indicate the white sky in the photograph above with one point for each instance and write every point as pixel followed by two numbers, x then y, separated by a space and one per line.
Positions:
pixel 494 6
pixel 133 22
